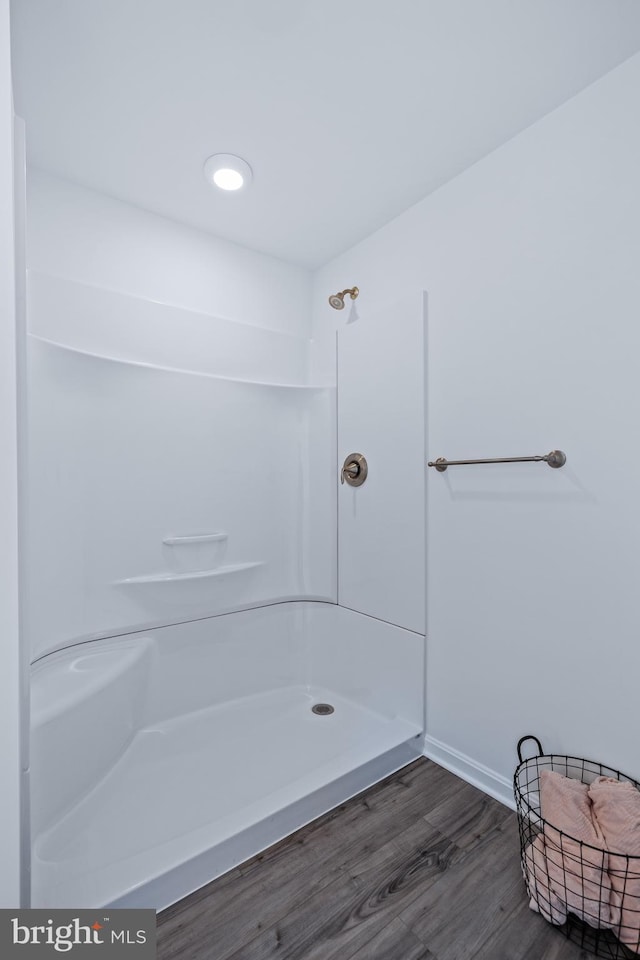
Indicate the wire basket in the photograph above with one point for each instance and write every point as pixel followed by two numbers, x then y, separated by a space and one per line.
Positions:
pixel 590 893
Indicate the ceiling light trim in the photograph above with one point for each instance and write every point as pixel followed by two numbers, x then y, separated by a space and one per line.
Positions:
pixel 228 172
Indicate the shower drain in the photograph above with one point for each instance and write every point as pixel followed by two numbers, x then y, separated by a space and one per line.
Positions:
pixel 322 709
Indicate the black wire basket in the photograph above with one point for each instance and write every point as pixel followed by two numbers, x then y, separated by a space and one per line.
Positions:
pixel 589 892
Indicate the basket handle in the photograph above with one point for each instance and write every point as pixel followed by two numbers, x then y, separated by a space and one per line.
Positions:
pixel 522 740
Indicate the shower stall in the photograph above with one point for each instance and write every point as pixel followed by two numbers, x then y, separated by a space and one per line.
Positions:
pixel 199 580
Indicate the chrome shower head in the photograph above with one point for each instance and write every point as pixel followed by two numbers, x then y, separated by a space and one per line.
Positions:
pixel 337 299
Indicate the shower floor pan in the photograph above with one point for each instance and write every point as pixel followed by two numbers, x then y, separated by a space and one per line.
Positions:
pixel 162 759
pixel 196 795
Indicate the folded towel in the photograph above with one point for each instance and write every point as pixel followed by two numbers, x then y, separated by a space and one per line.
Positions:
pixel 568 876
pixel 616 805
pixel 543 899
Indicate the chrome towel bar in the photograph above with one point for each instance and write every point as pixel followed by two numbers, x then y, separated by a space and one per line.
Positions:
pixel 555 459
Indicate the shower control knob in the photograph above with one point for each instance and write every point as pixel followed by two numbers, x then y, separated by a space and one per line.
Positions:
pixel 354 470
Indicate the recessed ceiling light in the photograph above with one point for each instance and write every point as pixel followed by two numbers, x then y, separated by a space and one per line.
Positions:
pixel 227 172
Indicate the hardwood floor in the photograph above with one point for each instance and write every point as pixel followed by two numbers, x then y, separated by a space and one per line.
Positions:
pixel 420 867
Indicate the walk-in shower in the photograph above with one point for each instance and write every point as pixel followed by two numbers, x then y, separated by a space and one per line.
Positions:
pixel 197 691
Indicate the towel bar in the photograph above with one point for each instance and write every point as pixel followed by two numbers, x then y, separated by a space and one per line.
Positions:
pixel 555 459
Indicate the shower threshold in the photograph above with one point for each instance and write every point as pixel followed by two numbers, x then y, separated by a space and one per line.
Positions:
pixel 194 796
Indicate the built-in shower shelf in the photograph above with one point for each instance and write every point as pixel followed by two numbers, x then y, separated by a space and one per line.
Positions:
pixel 197 552
pixel 167 368
pixel 198 538
pixel 224 571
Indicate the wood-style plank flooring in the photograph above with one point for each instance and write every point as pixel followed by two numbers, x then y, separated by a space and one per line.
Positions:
pixel 420 867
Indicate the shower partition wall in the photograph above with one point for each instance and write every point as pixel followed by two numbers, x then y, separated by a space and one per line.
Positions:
pixel 182 621
pixel 381 525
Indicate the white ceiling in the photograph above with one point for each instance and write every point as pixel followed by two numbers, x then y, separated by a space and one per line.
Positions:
pixel 349 111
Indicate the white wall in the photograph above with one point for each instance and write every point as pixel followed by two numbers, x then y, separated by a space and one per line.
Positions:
pixel 82 235
pixel 530 259
pixel 9 675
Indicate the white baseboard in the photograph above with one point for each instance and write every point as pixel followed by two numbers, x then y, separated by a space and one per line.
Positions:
pixel 497 786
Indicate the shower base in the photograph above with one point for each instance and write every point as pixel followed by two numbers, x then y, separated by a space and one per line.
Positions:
pixel 187 797
pixel 187 792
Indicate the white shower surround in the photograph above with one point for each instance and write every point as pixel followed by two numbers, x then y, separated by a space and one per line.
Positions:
pixel 152 430
pixel 182 613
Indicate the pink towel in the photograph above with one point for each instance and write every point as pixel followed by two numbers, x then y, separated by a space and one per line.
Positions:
pixel 543 899
pixel 616 806
pixel 568 876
